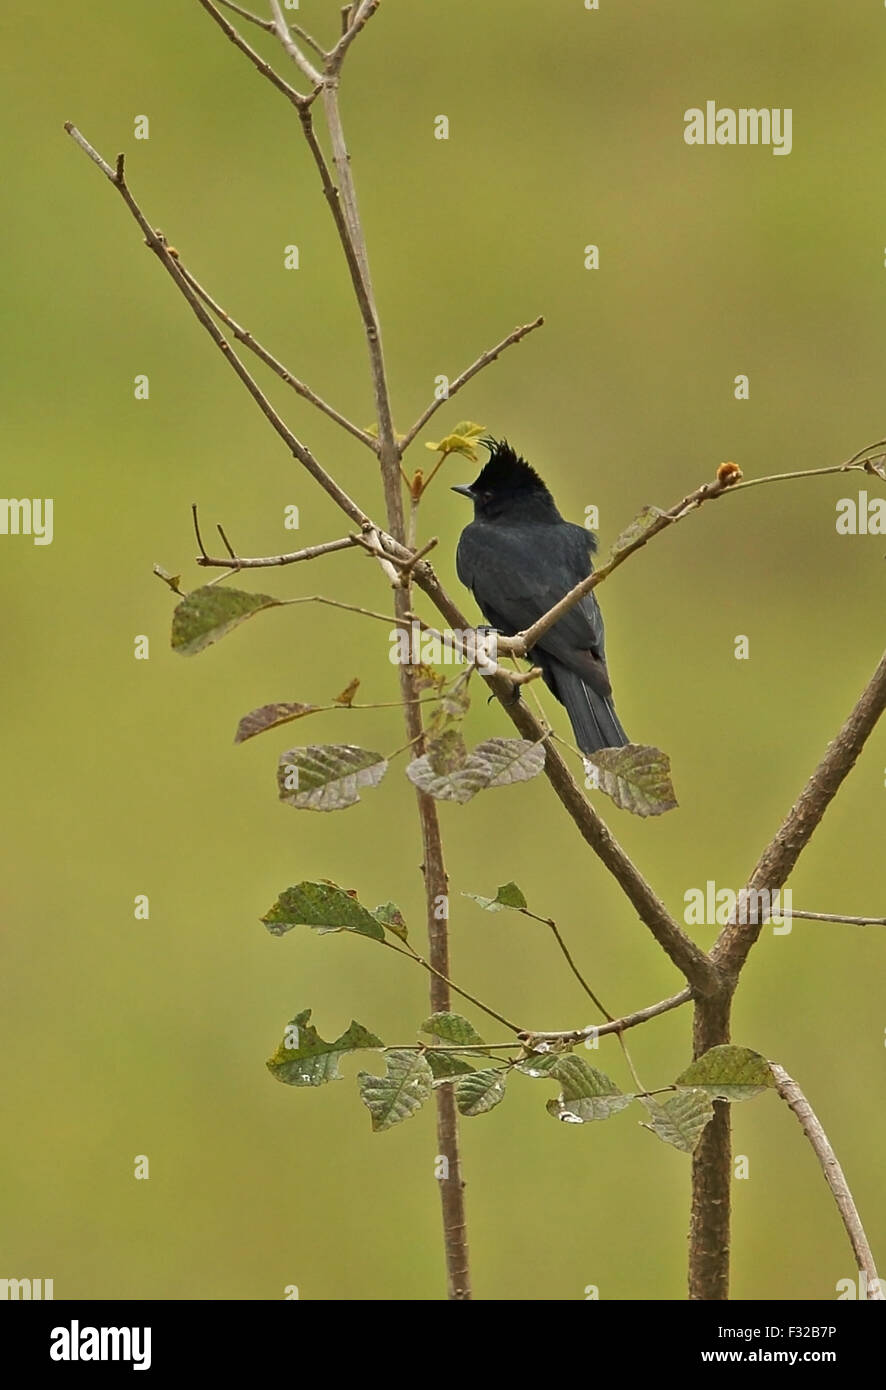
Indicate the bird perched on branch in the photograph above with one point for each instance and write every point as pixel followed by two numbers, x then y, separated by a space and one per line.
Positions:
pixel 519 557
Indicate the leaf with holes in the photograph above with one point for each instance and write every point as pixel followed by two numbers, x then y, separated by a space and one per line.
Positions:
pixel 209 613
pixel 403 1090
pixel 729 1073
pixel 313 1062
pixel 325 907
pixel 449 773
pixel 680 1120
pixel 391 917
pixel 327 777
pixel 586 1095
pixel 636 777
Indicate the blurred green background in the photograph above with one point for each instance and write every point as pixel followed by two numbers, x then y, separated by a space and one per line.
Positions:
pixel 120 776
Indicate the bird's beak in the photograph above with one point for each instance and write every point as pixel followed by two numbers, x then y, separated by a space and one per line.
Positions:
pixel 464 488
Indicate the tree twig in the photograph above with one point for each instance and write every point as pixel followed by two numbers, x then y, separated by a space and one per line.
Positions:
pixel 299 99
pixel 834 1177
pixel 246 338
pixel 169 262
pixel 455 386
pixel 781 854
pixel 718 487
pixel 356 22
pixel 310 552
pixel 616 1025
pixel 839 917
pixel 282 31
pixel 266 24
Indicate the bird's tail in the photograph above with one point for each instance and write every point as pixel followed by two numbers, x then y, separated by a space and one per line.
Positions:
pixel 592 715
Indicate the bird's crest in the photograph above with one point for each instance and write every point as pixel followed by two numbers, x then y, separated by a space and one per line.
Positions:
pixel 507 470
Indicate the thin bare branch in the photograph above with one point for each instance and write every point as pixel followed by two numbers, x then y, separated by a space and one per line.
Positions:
pixel 351 27
pixel 778 859
pixel 266 24
pixel 283 33
pixel 839 917
pixel 311 42
pixel 310 552
pixel 407 951
pixel 157 244
pixel 197 534
pixel 246 338
pixel 725 482
pixel 225 542
pixel 299 99
pixel 545 1041
pixel 455 386
pixel 350 228
pixel 833 1175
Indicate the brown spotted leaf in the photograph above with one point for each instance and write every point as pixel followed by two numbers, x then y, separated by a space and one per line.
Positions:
pixel 270 717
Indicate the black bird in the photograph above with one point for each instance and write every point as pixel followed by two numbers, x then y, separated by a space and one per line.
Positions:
pixel 519 557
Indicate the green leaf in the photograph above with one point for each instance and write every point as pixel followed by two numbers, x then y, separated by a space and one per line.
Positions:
pixel 391 917
pixel 508 895
pixel 469 429
pixel 448 773
pixel 481 1091
pixel 587 1094
pixel 462 440
pixel 636 777
pixel 326 777
pixel 404 1088
pixel 445 1065
pixel 270 717
pixel 539 1063
pixel 452 1028
pixel 729 1073
pixel 313 1062
pixel 323 906
pixel 681 1119
pixel 641 524
pixel 209 613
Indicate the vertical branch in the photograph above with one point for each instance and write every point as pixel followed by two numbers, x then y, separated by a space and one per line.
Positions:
pixel 351 231
pixel 437 900
pixel 343 203
pixel 833 1176
pixel 709 1222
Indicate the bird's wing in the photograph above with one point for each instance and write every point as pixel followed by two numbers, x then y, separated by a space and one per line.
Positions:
pixel 517 573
